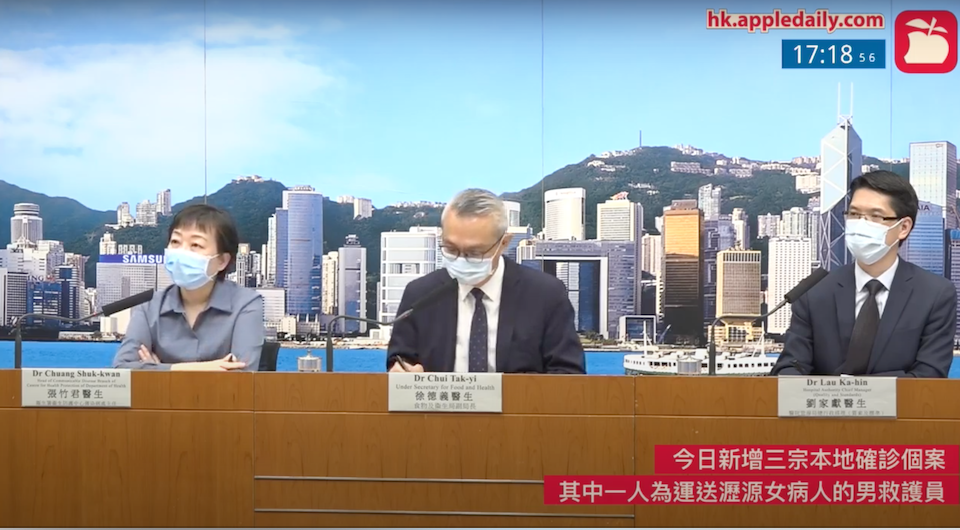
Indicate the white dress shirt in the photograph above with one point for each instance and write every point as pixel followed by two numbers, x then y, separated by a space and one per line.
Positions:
pixel 465 308
pixel 863 277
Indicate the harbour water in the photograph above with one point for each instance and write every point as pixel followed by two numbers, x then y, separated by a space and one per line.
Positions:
pixel 100 355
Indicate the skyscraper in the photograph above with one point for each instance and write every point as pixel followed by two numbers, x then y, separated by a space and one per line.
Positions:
pixel 925 246
pixel 564 214
pixel 618 219
pixel 406 257
pixel 789 263
pixel 513 212
pixel 600 278
pixel 954 246
pixel 164 206
pixel 304 252
pixel 841 160
pixel 275 254
pixel 708 200
pixel 682 274
pixel 933 174
pixel 352 284
pixel 738 282
pixel 331 267
pixel 26 226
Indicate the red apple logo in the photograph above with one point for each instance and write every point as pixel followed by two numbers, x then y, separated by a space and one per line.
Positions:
pixel 925 42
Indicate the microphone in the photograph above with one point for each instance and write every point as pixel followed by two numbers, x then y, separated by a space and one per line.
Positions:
pixel 107 310
pixel 429 299
pixel 125 303
pixel 799 290
pixel 792 296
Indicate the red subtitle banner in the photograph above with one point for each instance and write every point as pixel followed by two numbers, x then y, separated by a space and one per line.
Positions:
pixel 654 489
pixel 807 459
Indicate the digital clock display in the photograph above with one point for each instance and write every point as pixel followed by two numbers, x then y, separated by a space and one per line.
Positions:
pixel 834 54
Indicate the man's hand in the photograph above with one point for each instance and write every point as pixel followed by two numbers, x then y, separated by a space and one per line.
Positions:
pixel 147 356
pixel 400 366
pixel 226 364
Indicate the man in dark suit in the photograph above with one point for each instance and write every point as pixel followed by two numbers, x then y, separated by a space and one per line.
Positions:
pixel 881 315
pixel 501 317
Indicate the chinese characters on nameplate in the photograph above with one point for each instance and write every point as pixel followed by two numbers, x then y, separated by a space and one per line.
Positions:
pixel 75 387
pixel 445 392
pixel 837 397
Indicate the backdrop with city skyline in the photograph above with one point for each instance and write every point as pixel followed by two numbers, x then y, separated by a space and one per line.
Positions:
pixel 109 104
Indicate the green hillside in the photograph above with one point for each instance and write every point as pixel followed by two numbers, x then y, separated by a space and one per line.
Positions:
pixel 63 219
pixel 644 174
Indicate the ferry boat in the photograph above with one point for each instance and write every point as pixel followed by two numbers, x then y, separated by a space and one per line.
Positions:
pixel 657 361
pixel 665 362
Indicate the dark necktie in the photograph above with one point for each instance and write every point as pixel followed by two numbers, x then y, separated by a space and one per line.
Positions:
pixel 864 332
pixel 477 348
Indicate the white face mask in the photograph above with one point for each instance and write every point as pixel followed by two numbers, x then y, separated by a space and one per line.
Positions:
pixel 866 240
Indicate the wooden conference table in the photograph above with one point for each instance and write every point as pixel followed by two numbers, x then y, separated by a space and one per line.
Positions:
pixel 290 449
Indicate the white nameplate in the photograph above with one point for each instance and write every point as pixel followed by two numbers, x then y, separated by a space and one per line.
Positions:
pixel 837 397
pixel 445 392
pixel 75 387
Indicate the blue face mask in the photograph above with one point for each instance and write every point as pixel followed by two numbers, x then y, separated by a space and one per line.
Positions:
pixel 468 272
pixel 187 269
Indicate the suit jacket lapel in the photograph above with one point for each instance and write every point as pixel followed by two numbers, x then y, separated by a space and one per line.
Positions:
pixel 447 308
pixel 508 308
pixel 900 291
pixel 846 302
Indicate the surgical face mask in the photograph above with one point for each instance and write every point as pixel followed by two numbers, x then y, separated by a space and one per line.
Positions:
pixel 187 269
pixel 866 240
pixel 469 272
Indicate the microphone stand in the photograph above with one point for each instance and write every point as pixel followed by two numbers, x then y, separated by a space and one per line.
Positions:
pixel 712 351
pixel 339 318
pixel 18 334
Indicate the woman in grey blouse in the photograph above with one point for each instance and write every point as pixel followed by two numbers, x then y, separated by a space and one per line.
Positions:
pixel 202 321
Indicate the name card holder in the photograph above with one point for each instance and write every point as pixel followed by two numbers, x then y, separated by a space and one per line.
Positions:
pixel 837 397
pixel 75 388
pixel 445 392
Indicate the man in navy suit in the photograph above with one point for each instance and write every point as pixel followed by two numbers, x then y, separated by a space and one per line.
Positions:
pixel 882 315
pixel 501 317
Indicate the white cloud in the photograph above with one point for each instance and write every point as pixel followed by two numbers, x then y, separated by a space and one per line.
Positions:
pixel 235 33
pixel 116 116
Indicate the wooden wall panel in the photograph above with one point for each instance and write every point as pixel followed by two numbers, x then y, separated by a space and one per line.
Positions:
pixel 182 456
pixel 757 396
pixel 566 395
pixel 441 446
pixel 68 468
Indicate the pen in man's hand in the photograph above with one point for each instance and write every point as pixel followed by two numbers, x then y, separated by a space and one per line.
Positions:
pixel 401 364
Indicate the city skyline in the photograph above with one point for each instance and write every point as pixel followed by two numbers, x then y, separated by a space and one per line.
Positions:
pixel 328 95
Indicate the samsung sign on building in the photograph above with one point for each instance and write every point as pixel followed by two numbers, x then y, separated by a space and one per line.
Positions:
pixel 133 259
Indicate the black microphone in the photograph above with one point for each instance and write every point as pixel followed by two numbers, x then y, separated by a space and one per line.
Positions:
pixel 792 296
pixel 430 298
pixel 107 310
pixel 799 290
pixel 125 303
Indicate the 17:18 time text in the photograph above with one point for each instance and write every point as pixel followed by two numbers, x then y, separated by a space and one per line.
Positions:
pixel 834 54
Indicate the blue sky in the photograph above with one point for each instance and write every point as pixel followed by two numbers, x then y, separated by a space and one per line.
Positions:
pixel 103 102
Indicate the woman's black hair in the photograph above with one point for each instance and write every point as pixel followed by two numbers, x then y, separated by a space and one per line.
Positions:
pixel 214 221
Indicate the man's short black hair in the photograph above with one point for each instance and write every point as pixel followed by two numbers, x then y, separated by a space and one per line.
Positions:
pixel 212 220
pixel 903 198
